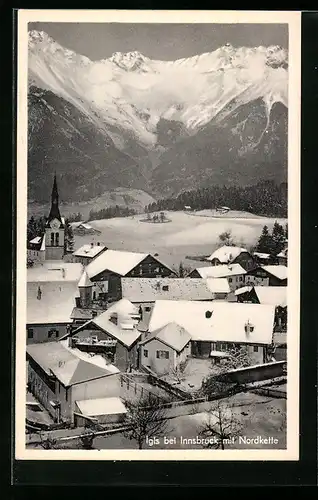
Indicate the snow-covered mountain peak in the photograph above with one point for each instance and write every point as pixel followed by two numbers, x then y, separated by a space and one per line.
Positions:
pixel 129 61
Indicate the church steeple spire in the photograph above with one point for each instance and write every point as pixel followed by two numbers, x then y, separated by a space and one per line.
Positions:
pixel 55 211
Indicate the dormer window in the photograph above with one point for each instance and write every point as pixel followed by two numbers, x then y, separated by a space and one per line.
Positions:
pixel 165 288
pixel 249 328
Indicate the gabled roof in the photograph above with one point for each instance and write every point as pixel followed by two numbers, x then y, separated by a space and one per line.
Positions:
pixel 225 321
pixel 226 254
pixel 101 406
pixel 85 282
pixel 125 312
pixel 262 255
pixel 117 261
pixel 36 240
pixel 151 289
pixel 68 367
pixel 275 295
pixel 279 271
pixel 283 253
pixel 89 251
pixel 50 302
pixel 222 271
pixel 243 289
pixel 172 334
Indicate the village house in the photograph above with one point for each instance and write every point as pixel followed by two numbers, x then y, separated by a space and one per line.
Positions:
pixel 36 249
pixel 83 228
pixel 107 269
pixel 165 349
pixel 274 295
pixel 232 255
pixel 264 259
pixel 143 292
pixel 86 253
pixel 282 257
pixel 52 292
pixel 216 327
pixel 59 377
pixel 114 332
pixel 233 273
pixel 267 275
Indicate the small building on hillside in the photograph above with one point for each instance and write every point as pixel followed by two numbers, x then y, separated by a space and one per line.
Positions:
pixel 59 376
pixel 220 326
pixel 145 291
pixel 233 273
pixel 113 332
pixel 232 255
pixel 165 349
pixel 264 259
pixel 267 275
pixel 36 249
pixel 84 228
pixel 52 294
pixel 107 269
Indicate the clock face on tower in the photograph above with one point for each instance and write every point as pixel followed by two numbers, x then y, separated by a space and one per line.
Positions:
pixel 55 224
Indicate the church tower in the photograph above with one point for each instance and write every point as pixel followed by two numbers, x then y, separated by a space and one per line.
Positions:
pixel 54 229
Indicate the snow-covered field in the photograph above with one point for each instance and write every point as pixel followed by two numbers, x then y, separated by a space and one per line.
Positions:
pixel 186 234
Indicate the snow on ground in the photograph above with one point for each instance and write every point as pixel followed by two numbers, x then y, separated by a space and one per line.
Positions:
pixel 186 234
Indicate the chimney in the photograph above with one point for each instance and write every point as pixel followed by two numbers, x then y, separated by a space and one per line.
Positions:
pixel 114 318
pixel 94 314
pixel 92 244
pixel 63 272
pixel 39 294
pixel 248 327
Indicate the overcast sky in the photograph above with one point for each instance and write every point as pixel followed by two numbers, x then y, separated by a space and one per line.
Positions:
pixel 160 41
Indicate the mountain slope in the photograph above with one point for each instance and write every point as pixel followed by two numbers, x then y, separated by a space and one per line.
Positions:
pixel 161 126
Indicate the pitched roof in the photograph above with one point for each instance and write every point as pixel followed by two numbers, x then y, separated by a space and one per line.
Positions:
pixel 275 295
pixel 117 261
pixel 226 323
pixel 89 250
pixel 221 271
pixel 226 253
pixel 151 289
pixel 36 240
pixel 172 334
pixel 262 255
pixel 243 289
pixel 85 282
pixel 50 302
pixel 67 366
pixel 55 270
pixel 283 253
pixel 279 271
pixel 125 331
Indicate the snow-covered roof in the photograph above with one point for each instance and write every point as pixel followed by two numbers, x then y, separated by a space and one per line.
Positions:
pixel 275 295
pixel 243 289
pixel 226 254
pixel 151 289
pixel 55 270
pixel 89 250
pixel 279 271
pixel 101 406
pixel 85 281
pixel 67 366
pixel 216 321
pixel 262 255
pixel 172 334
pixel 221 271
pixel 36 240
pixel 50 302
pixel 117 261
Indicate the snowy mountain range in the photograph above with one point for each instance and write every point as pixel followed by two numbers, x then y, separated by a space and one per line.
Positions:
pixel 161 126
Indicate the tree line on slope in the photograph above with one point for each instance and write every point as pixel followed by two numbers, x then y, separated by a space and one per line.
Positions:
pixel 265 198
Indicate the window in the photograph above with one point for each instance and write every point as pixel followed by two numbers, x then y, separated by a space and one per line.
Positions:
pixel 140 270
pixel 30 333
pixel 147 309
pixel 57 237
pixel 52 332
pixel 94 295
pixel 165 288
pixel 241 278
pixel 52 239
pixel 255 349
pixel 162 354
pixel 66 394
pixel 146 353
pixel 157 270
pixel 230 280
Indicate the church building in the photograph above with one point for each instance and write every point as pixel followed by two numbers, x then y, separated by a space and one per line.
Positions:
pixel 54 229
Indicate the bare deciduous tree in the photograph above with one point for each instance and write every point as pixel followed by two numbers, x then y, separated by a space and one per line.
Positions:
pixel 221 426
pixel 145 418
